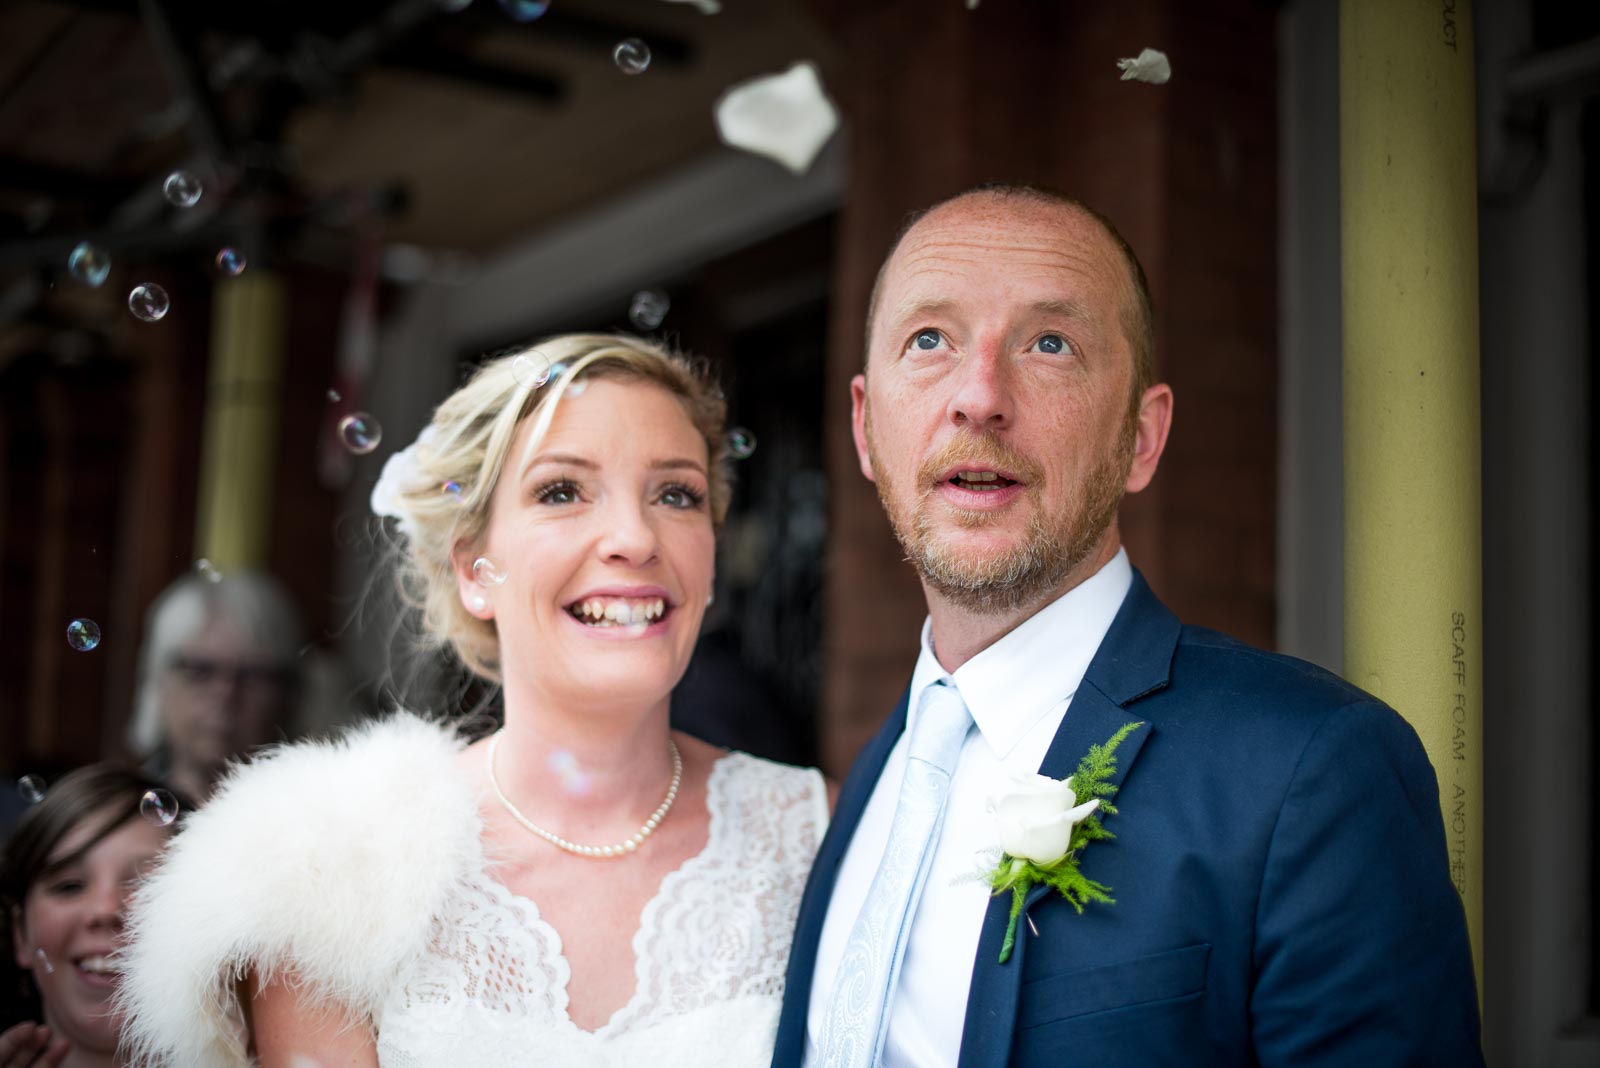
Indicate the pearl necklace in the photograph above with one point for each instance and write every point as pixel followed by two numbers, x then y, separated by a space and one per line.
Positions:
pixel 622 848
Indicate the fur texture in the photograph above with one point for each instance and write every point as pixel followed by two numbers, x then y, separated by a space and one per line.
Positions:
pixel 323 860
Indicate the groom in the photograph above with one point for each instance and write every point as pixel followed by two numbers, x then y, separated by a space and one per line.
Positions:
pixel 1278 868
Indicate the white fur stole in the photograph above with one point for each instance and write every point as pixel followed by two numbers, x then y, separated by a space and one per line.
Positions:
pixel 325 860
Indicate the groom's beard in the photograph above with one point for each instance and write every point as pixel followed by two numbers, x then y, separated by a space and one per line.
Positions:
pixel 1050 547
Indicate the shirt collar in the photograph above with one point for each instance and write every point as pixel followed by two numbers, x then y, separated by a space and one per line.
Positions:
pixel 1016 681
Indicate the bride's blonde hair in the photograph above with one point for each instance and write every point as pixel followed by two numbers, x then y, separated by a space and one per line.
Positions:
pixel 438 489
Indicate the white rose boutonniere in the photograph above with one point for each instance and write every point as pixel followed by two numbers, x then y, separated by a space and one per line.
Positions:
pixel 1044 824
pixel 1036 816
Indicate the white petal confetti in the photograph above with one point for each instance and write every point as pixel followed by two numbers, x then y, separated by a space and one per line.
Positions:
pixel 1149 66
pixel 787 117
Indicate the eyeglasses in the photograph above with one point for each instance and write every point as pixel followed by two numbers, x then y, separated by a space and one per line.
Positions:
pixel 198 671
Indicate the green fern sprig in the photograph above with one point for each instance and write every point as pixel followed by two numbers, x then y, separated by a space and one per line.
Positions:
pixel 1092 779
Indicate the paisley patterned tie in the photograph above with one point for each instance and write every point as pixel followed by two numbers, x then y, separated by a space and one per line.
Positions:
pixel 863 991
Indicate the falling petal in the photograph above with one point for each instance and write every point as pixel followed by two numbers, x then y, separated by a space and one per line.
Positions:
pixel 787 117
pixel 1149 66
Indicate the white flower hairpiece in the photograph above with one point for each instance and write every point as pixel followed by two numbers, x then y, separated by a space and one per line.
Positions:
pixel 401 472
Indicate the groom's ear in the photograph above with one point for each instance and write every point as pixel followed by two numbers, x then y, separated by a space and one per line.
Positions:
pixel 858 423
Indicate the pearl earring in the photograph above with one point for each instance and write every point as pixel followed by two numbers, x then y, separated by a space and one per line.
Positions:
pixel 711 599
pixel 479 602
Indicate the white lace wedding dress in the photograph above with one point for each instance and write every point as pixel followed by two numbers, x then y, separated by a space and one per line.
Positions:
pixel 357 867
pixel 711 950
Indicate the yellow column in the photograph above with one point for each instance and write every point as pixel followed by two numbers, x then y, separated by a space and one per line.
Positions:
pixel 241 427
pixel 1412 543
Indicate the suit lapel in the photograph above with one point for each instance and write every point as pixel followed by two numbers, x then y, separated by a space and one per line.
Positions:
pixel 1134 659
pixel 853 798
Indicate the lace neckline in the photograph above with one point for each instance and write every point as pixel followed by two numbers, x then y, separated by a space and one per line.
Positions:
pixel 717 844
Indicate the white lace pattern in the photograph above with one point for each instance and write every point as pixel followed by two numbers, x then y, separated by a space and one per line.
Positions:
pixel 710 951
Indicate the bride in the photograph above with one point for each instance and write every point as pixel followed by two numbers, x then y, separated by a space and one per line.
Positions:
pixel 584 886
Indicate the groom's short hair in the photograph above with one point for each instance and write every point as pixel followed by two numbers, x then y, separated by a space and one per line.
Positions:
pixel 1138 314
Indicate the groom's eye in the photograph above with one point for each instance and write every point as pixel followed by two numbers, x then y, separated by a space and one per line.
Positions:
pixel 1055 345
pixel 927 340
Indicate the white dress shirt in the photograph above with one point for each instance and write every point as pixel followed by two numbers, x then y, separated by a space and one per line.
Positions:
pixel 1018 690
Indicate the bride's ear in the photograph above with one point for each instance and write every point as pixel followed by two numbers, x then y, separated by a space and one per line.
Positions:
pixel 474 597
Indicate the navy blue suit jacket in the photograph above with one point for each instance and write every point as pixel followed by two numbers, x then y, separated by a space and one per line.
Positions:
pixel 1279 868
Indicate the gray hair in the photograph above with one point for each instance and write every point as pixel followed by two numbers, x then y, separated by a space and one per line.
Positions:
pixel 252 601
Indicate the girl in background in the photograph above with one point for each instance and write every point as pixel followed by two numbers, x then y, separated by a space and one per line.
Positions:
pixel 66 875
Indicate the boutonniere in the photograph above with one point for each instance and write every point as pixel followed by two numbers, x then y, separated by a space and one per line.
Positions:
pixel 1045 823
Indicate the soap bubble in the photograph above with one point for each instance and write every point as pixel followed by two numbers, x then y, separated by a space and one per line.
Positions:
pixel 333 396
pixel 182 189
pixel 360 433
pixel 631 56
pixel 488 572
pixel 159 807
pixel 531 369
pixel 741 443
pixel 31 787
pixel 230 261
pixel 453 490
pixel 148 301
pixel 649 307
pixel 525 10
pixel 89 264
pixel 83 634
pixel 207 570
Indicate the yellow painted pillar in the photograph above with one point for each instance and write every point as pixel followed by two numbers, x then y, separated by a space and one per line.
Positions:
pixel 241 421
pixel 1413 540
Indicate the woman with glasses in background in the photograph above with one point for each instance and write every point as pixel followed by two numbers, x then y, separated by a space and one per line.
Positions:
pixel 218 676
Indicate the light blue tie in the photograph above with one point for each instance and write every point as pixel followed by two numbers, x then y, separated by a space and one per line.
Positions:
pixel 863 991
